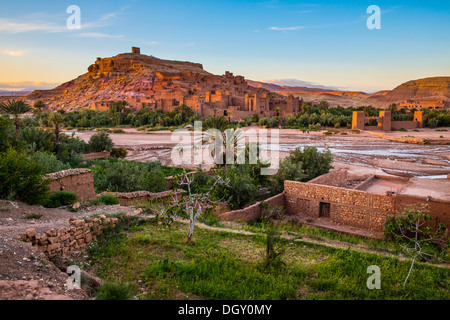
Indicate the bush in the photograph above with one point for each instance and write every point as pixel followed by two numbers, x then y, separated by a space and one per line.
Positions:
pixel 22 178
pixel 118 131
pixel 241 189
pixel 60 199
pixel 100 142
pixel 106 199
pixel 49 162
pixel 116 291
pixel 301 165
pixel 128 176
pixel 403 130
pixel 155 182
pixel 119 153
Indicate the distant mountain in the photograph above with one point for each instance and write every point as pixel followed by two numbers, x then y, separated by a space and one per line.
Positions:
pixel 299 84
pixel 435 88
pixel 21 93
pixel 284 88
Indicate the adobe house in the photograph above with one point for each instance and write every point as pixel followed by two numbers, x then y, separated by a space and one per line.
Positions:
pixel 339 200
pixel 424 104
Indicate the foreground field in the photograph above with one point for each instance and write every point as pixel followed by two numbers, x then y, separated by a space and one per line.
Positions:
pixel 157 263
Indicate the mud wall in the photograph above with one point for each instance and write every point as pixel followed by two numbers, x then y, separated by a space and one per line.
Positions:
pixel 133 198
pixel 436 208
pixel 335 178
pixel 79 181
pixel 253 212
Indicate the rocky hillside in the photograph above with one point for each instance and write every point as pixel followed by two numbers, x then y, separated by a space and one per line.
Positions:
pixel 436 88
pixel 118 78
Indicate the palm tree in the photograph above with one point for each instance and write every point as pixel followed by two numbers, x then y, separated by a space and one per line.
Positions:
pixel 15 109
pixel 278 110
pixel 215 111
pixel 39 105
pixel 56 119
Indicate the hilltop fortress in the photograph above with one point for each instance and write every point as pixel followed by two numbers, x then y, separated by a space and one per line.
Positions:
pixel 148 82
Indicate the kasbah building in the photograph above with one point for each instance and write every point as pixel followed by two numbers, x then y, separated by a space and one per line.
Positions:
pixel 226 95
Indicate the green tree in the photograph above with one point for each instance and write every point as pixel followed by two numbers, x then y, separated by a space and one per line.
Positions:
pixel 15 108
pixel 39 106
pixel 278 111
pixel 100 142
pixel 56 120
pixel 21 178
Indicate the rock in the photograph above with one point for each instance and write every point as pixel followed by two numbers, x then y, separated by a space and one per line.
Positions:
pixel 31 233
pixel 76 206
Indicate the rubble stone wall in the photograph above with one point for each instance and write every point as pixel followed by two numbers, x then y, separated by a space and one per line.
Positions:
pixel 76 237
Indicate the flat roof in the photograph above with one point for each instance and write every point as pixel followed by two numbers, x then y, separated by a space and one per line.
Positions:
pixel 438 189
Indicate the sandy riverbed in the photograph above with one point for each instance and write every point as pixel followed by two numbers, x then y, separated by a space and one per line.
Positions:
pixel 362 150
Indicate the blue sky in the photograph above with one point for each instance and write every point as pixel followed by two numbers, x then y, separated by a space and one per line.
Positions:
pixel 322 42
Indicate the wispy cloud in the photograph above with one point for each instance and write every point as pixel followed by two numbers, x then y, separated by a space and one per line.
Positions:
pixel 7 25
pixel 287 28
pixel 43 22
pixel 13 53
pixel 152 43
pixel 98 35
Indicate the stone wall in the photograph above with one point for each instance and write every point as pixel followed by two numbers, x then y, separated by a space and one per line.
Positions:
pixel 76 237
pixel 436 208
pixel 335 178
pixel 253 212
pixel 133 198
pixel 350 207
pixel 355 207
pixel 79 181
pixel 97 155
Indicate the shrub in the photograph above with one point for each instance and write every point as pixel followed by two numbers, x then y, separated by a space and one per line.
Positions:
pixel 403 130
pixel 33 216
pixel 155 182
pixel 301 165
pixel 106 199
pixel 116 291
pixel 241 189
pixel 432 123
pixel 128 176
pixel 60 199
pixel 22 178
pixel 49 162
pixel 118 131
pixel 100 142
pixel 119 153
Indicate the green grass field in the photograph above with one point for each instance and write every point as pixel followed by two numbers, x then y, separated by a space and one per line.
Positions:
pixel 158 263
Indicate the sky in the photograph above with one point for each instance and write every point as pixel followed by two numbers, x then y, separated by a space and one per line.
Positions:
pixel 325 42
